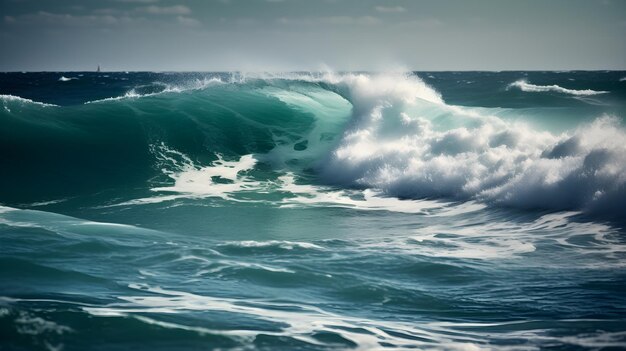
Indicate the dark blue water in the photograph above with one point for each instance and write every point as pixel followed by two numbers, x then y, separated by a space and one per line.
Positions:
pixel 312 211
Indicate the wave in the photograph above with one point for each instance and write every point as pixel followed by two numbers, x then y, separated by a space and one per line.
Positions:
pixel 17 99
pixel 372 141
pixel 159 88
pixel 408 86
pixel 532 88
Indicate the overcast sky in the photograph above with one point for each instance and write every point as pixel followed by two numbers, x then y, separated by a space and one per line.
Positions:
pixel 283 35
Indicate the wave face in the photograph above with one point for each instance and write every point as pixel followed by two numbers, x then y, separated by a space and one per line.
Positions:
pixel 432 210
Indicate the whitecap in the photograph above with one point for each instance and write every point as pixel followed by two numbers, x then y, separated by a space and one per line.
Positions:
pixel 528 87
pixel 422 148
pixel 13 98
pixel 196 84
pixel 67 79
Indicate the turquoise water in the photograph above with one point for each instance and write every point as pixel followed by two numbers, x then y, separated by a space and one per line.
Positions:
pixel 312 211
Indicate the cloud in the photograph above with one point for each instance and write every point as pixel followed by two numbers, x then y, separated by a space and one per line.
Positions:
pixel 331 20
pixel 166 10
pixel 100 18
pixel 390 9
pixel 66 19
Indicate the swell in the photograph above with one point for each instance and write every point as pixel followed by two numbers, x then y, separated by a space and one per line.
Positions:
pixel 388 132
pixel 74 150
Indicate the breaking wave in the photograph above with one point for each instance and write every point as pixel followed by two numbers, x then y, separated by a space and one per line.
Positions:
pixel 389 133
pixel 408 147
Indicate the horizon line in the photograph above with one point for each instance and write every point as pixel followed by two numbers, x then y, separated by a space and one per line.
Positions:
pixel 316 71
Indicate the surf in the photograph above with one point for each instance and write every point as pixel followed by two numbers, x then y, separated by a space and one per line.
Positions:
pixel 391 133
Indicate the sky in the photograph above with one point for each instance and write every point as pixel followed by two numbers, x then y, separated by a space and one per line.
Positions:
pixel 288 35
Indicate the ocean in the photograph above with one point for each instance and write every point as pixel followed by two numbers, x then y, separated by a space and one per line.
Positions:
pixel 313 211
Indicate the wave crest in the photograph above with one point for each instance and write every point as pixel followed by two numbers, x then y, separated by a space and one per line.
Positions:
pixel 163 88
pixel 532 88
pixel 390 133
pixel 12 98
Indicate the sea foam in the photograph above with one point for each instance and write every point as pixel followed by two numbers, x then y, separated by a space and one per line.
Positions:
pixel 67 79
pixel 532 88
pixel 405 141
pixel 12 98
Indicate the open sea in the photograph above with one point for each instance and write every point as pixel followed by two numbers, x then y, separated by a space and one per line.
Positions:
pixel 313 211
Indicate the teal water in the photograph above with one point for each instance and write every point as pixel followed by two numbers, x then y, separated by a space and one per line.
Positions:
pixel 312 211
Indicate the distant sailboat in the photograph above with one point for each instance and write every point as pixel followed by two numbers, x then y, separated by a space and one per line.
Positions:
pixel 98 68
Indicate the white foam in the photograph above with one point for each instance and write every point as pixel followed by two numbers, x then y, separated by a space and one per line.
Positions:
pixel 13 98
pixel 228 180
pixel 301 321
pixel 196 84
pixel 283 244
pixel 44 203
pixel 226 264
pixel 371 200
pixel 480 237
pixel 28 324
pixel 219 179
pixel 528 87
pixel 297 321
pixel 419 148
pixel 391 86
pixel 67 79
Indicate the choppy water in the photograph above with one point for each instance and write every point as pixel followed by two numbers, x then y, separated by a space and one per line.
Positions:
pixel 313 211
